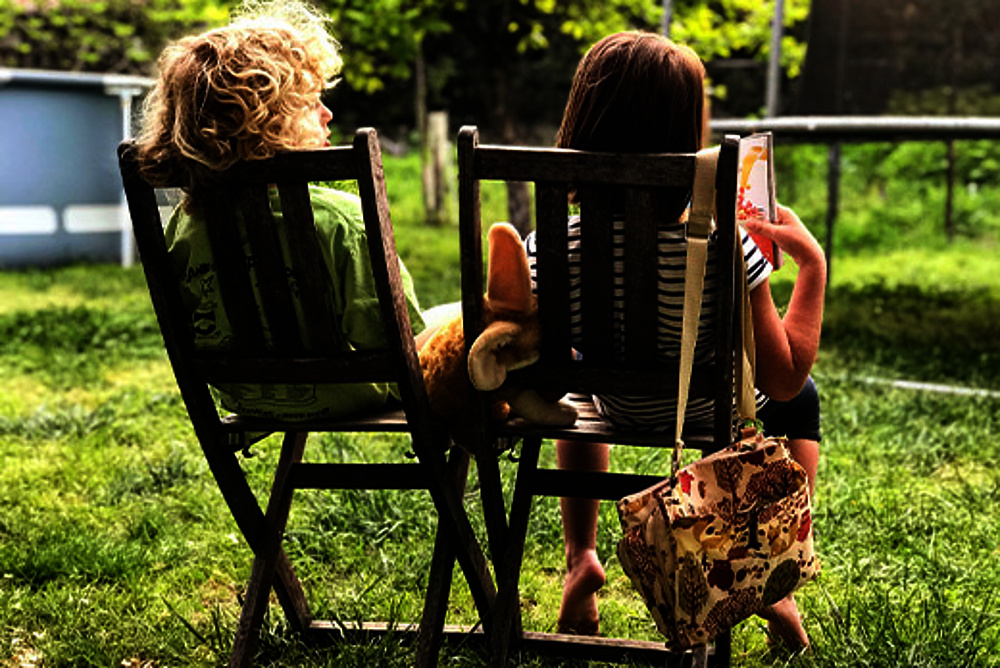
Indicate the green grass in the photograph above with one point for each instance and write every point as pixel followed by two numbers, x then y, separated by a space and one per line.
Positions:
pixel 116 548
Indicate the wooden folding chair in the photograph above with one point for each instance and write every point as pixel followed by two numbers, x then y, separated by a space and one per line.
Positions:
pixel 292 358
pixel 622 361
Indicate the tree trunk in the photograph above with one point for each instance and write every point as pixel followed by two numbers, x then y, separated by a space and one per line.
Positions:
pixel 518 193
pixel 519 206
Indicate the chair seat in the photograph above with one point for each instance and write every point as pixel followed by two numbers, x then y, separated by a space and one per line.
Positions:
pixel 241 428
pixel 592 427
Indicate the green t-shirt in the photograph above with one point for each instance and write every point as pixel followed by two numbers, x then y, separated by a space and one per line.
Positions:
pixel 341 230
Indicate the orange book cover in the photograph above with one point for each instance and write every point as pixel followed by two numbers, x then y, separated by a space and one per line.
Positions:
pixel 756 188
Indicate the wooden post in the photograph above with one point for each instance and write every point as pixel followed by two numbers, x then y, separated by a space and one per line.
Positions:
pixel 832 202
pixel 436 169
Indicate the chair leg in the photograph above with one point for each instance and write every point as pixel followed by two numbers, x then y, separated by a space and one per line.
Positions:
pixel 432 621
pixel 506 618
pixel 495 518
pixel 699 657
pixel 723 649
pixel 494 511
pixel 243 506
pixel 290 595
pixel 451 510
pixel 267 558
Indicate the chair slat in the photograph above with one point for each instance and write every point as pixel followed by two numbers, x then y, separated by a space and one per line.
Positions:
pixel 597 278
pixel 620 379
pixel 269 268
pixel 728 340
pixel 233 271
pixel 470 235
pixel 641 287
pixel 311 279
pixel 553 269
pixel 510 163
pixel 355 367
pixel 389 283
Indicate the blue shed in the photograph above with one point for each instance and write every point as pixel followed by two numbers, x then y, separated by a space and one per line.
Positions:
pixel 60 193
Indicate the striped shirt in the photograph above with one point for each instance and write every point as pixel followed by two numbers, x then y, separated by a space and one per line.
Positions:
pixel 645 412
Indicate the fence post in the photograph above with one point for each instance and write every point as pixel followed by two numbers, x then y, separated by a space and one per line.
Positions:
pixel 949 195
pixel 436 169
pixel 832 202
pixel 774 61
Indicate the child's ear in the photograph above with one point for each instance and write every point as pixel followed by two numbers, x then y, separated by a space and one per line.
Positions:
pixel 508 285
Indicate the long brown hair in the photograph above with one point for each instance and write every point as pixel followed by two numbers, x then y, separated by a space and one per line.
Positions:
pixel 636 92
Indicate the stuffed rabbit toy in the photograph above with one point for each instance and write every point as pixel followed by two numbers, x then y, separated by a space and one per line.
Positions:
pixel 509 341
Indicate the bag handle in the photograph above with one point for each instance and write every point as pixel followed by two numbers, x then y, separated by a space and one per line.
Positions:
pixel 746 368
pixel 699 227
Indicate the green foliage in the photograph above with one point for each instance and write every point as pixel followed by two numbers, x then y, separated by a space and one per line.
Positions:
pixel 105 36
pixel 724 28
pixel 477 54
pixel 894 195
pixel 586 21
pixel 977 100
pixel 381 39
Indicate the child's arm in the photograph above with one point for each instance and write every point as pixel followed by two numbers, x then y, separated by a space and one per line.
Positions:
pixel 786 347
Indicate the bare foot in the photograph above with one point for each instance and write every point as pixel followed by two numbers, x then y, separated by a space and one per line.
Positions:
pixel 785 624
pixel 578 613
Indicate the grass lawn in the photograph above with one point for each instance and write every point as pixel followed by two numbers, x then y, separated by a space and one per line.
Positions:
pixel 116 549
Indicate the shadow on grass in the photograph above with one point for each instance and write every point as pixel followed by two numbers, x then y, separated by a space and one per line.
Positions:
pixel 906 331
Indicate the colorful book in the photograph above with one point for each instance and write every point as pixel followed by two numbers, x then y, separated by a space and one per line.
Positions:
pixel 756 188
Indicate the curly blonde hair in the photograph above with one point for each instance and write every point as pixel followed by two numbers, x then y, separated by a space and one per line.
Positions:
pixel 241 92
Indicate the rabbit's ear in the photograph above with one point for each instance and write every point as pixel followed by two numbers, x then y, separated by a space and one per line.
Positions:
pixel 487 357
pixel 508 286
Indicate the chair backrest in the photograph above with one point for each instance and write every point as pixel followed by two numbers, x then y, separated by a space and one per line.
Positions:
pixel 620 329
pixel 271 343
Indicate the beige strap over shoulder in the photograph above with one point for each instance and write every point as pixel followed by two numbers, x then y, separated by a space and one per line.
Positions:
pixel 699 228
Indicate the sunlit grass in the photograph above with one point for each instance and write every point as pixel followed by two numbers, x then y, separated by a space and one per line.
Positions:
pixel 117 550
pixel 96 286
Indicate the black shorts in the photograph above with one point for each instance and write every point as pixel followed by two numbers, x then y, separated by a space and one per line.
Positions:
pixel 796 418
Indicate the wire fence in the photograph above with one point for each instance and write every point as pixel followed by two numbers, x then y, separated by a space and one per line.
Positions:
pixel 837 130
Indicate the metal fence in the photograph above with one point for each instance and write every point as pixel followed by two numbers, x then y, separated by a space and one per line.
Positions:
pixel 837 130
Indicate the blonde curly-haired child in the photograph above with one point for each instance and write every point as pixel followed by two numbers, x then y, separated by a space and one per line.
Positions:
pixel 248 91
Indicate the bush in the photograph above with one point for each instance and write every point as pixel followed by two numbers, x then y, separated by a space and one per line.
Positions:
pixel 893 196
pixel 106 36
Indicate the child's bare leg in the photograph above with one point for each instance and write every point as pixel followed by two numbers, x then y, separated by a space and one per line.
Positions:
pixel 584 574
pixel 783 620
pixel 806 452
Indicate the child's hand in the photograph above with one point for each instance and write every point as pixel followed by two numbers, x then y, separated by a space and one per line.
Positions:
pixel 791 236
